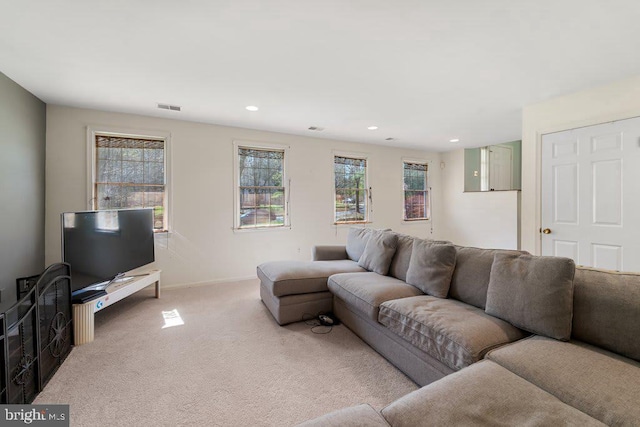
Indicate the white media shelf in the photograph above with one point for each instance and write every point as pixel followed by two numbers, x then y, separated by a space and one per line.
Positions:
pixel 83 314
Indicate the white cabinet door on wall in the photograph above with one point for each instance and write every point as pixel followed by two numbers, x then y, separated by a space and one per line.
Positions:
pixel 591 195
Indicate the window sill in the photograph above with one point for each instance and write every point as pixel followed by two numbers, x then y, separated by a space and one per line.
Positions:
pixel 409 221
pixel 260 229
pixel 352 222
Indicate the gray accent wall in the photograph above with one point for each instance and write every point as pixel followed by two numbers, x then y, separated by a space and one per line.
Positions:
pixel 22 184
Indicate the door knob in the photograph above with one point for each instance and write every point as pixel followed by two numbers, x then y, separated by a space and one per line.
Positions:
pixel 546 231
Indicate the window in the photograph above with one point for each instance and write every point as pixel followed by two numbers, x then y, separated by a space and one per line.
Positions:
pixel 261 187
pixel 350 189
pixel 415 191
pixel 130 173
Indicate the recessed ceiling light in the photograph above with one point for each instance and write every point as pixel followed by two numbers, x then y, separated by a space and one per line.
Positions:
pixel 372 127
pixel 251 108
pixel 454 140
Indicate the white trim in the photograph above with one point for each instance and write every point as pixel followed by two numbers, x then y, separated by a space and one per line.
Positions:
pixel 208 282
pixel 286 183
pixel 427 163
pixel 368 218
pixel 93 130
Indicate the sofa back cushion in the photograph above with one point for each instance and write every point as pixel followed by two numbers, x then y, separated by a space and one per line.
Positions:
pixel 356 241
pixel 471 277
pixel 431 267
pixel 400 262
pixel 379 251
pixel 606 310
pixel 534 293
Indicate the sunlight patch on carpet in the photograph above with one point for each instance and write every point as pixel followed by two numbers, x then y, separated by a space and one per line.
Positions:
pixel 172 318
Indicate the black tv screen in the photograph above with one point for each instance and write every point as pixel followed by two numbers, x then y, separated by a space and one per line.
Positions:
pixel 102 244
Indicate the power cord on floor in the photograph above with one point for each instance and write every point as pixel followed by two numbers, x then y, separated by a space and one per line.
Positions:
pixel 316 326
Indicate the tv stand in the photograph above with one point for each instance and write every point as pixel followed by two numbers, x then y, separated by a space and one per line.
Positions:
pixel 83 314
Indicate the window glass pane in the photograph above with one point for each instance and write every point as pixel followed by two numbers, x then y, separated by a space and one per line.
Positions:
pixel 109 153
pixel 261 189
pixel 132 154
pixel 350 187
pixel 130 174
pixel 153 155
pixel 415 194
pixel 133 172
pixel 154 173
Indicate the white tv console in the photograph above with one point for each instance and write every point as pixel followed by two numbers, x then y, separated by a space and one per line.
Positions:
pixel 83 314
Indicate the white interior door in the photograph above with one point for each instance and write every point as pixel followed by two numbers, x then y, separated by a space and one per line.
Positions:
pixel 500 168
pixel 591 195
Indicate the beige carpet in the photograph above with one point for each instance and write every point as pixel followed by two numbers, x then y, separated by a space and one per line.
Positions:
pixel 230 364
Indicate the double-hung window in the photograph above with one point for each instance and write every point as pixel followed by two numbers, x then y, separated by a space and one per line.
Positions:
pixel 130 172
pixel 351 191
pixel 416 205
pixel 262 187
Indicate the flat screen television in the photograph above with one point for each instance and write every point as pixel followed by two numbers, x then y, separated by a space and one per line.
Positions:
pixel 101 245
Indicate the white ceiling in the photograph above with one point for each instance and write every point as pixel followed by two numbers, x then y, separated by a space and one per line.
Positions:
pixel 424 71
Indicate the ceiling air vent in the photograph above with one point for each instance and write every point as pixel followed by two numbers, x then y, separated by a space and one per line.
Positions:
pixel 169 107
pixel 316 128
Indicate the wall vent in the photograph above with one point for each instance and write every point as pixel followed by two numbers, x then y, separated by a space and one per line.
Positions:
pixel 169 107
pixel 316 128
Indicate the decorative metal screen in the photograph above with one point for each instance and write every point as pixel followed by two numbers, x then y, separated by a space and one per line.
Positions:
pixel 130 173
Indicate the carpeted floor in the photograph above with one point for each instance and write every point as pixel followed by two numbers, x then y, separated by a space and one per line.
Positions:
pixel 230 364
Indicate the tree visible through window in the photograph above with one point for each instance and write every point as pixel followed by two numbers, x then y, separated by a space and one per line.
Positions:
pixel 130 173
pixel 350 189
pixel 262 190
pixel 415 191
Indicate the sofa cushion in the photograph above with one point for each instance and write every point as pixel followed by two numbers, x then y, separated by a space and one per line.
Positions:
pixel 471 276
pixel 355 416
pixel 431 267
pixel 533 293
pixel 364 292
pixel 378 251
pixel 455 333
pixel 483 394
pixel 606 310
pixel 301 277
pixel 356 241
pixel 400 262
pixel 598 383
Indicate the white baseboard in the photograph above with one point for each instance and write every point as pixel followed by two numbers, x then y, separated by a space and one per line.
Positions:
pixel 208 282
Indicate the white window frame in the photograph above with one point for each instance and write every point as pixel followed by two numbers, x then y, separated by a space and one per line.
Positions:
pixel 427 189
pixel 368 211
pixel 92 131
pixel 237 144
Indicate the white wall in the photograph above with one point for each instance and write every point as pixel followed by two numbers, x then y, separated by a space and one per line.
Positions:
pixel 202 246
pixel 482 219
pixel 619 100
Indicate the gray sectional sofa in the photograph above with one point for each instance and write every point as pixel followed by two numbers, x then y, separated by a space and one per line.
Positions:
pixel 494 336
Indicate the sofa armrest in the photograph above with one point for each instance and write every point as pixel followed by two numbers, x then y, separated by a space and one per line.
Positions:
pixel 329 253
